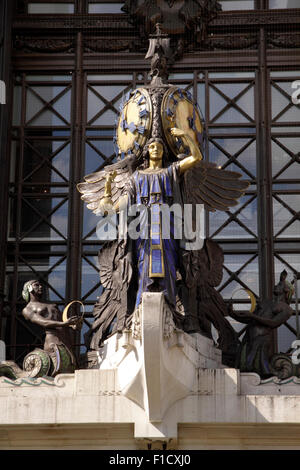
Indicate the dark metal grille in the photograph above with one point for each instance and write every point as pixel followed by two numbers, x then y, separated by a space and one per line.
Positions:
pixel 62 128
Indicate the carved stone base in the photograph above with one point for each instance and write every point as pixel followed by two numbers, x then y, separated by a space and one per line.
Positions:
pixel 156 363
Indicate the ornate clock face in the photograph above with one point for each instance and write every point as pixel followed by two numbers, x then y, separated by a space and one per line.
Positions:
pixel 178 110
pixel 134 124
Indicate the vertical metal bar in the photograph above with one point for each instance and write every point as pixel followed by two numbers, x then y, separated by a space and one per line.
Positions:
pixel 261 4
pixel 265 4
pixel 19 187
pixel 73 290
pixel 264 176
pixel 80 6
pixel 6 13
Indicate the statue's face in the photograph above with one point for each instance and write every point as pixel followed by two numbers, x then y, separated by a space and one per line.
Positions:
pixel 278 291
pixel 156 151
pixel 36 288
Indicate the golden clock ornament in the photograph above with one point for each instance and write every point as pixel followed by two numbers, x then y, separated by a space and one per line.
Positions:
pixel 178 110
pixel 134 123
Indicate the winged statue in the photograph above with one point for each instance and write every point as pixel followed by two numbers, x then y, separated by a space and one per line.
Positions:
pixel 159 135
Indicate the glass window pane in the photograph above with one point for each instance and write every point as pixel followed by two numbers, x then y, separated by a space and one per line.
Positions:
pixel 231 147
pixel 231 74
pixel 101 132
pixel 47 118
pixel 47 93
pixel 232 116
pixel 34 226
pixel 95 105
pixel 39 96
pixel 279 102
pixel 40 164
pixel 94 159
pixel 286 73
pixel 63 105
pixel 90 221
pixel 283 4
pixel 285 129
pixel 57 279
pixel 37 99
pixel 246 101
pixel 231 130
pixel 290 115
pixel 237 5
pixel 201 97
pixel 282 152
pixel 181 76
pixel 216 103
pixel 105 7
pixel 48 78
pixel 282 216
pixel 17 105
pixel 247 274
pixel 231 91
pixel 108 77
pixel 248 217
pixel 35 8
pixel 107 118
pixel 109 92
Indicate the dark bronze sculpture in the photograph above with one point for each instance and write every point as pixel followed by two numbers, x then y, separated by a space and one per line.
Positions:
pixel 204 304
pixel 159 135
pixel 117 258
pixel 255 354
pixel 188 17
pixel 57 356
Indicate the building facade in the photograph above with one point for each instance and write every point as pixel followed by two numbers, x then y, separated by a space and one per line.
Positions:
pixel 66 66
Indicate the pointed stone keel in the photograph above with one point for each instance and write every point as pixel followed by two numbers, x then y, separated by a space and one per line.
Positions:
pixel 157 364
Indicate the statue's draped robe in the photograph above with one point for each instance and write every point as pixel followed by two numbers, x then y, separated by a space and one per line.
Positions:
pixel 156 253
pixel 116 304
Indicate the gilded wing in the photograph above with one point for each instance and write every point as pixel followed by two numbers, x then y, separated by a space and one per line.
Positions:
pixel 93 188
pixel 217 189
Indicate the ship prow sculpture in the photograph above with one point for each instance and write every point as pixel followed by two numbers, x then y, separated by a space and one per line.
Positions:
pixel 155 361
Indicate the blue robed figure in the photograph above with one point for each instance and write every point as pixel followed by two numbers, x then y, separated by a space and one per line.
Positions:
pixel 156 251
